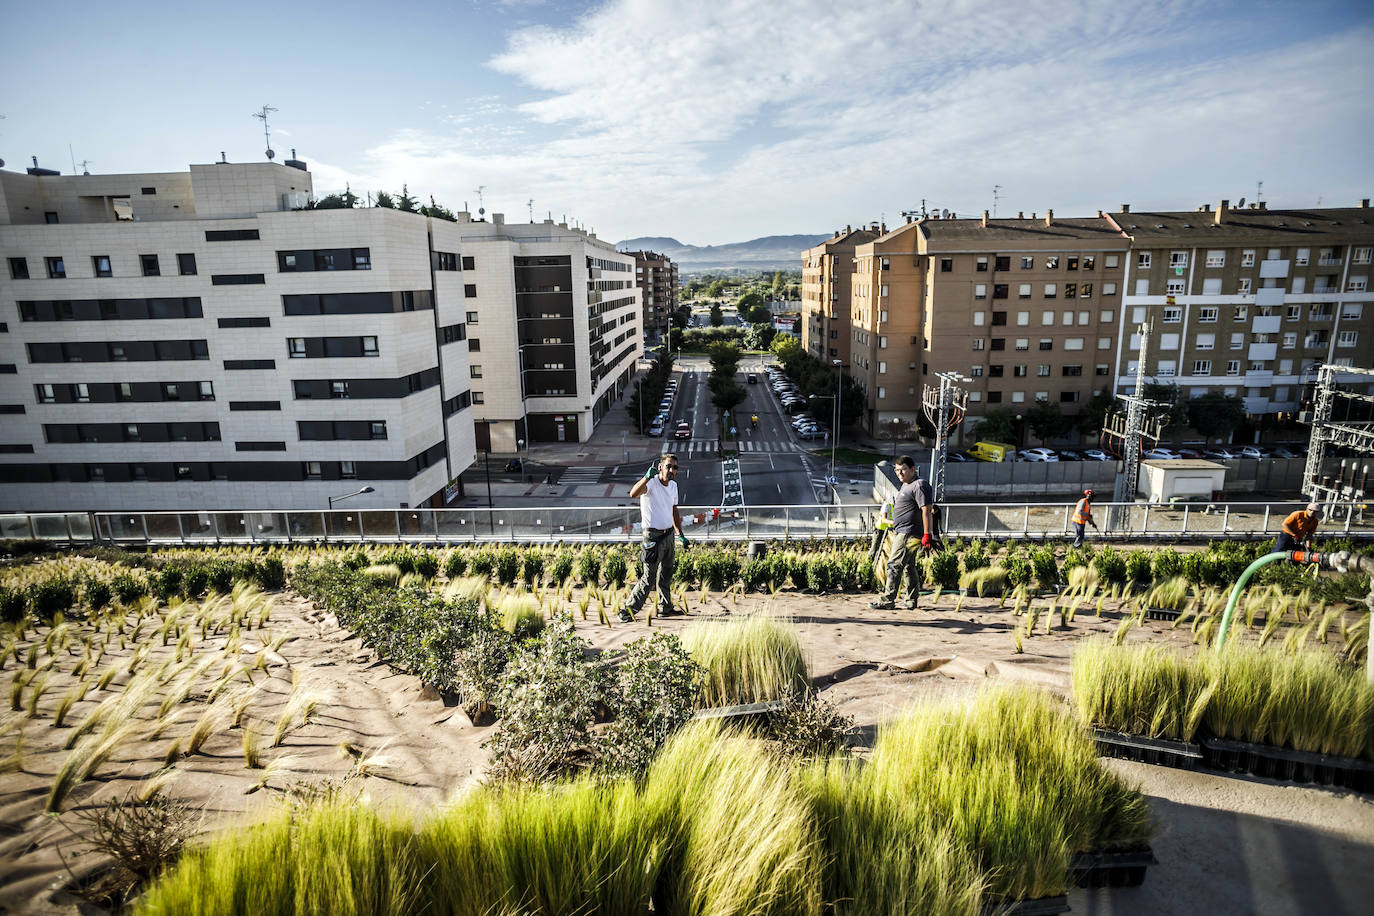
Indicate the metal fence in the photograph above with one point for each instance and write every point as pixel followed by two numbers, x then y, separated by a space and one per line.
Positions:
pixel 1032 521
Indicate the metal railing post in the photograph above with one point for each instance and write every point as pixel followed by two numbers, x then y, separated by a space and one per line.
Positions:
pixel 1025 520
pixel 1225 519
pixel 987 515
pixel 1186 509
pixel 1265 529
pixel 143 521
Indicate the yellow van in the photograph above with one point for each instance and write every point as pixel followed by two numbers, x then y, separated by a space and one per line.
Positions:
pixel 992 451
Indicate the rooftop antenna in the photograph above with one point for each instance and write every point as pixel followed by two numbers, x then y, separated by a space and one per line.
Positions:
pixel 84 163
pixel 2 162
pixel 1259 191
pixel 481 209
pixel 995 189
pixel 266 132
pixel 531 206
pixel 1240 204
pixel 73 155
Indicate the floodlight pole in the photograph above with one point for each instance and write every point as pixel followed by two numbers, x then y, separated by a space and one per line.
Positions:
pixel 945 398
pixel 1129 478
pixel 336 499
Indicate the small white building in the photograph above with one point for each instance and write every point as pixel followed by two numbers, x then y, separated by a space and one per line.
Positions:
pixel 1166 480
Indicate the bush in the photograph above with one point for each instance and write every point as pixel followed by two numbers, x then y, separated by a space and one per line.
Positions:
pixel 270 574
pixel 754 575
pixel 685 569
pixel 483 562
pixel 1110 565
pixel 589 566
pixel 532 567
pixel 975 557
pixel 1197 568
pixel 807 726
pixel 944 569
pixel 1045 567
pixel 13 605
pixel 398 557
pixel 455 565
pixel 615 569
pixel 167 582
pixel 96 593
pixel 128 588
pixel 221 576
pixel 654 692
pixel 508 564
pixel 562 567
pixel 1018 570
pixel 194 580
pixel 823 573
pixel 426 564
pixel 358 559
pixel 1138 566
pixel 1166 564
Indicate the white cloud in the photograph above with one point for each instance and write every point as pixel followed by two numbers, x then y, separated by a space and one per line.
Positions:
pixel 717 122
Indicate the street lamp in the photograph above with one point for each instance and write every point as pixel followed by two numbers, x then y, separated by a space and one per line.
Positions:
pixel 335 499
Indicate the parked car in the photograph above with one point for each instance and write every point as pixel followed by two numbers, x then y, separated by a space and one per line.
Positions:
pixel 753 378
pixel 1189 453
pixel 1095 454
pixel 1283 452
pixel 1163 454
pixel 683 431
pixel 656 429
pixel 1221 454
pixel 1038 454
pixel 957 457
pixel 1253 452
pixel 1068 454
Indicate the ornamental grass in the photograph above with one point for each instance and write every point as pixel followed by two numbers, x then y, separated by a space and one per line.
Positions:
pixel 748 659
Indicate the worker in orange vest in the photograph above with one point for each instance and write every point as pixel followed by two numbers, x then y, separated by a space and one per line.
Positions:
pixel 1083 515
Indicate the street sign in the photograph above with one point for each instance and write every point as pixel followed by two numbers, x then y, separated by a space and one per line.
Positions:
pixel 833 480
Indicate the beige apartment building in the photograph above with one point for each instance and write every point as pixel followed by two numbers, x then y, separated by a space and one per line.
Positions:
pixel 1247 301
pixel 1026 308
pixel 827 271
pixel 656 276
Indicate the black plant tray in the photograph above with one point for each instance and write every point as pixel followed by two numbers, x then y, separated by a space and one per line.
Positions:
pixel 1285 763
pixel 1111 869
pixel 1040 906
pixel 1162 613
pixel 749 713
pixel 1181 754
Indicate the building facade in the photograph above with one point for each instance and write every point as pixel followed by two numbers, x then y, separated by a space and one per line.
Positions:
pixel 553 318
pixel 656 276
pixel 827 271
pixel 1246 301
pixel 195 340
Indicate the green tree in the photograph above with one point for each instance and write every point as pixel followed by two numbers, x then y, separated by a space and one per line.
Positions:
pixel 405 202
pixel 726 395
pixel 1174 412
pixel 437 211
pixel 759 314
pixel 350 199
pixel 778 283
pixel 759 336
pixel 1093 416
pixel 1216 414
pixel 329 202
pixel 682 317
pixel 724 358
pixel 715 290
pixel 1047 421
pixel 717 316
pixel 997 425
pixel 384 200
pixel 748 302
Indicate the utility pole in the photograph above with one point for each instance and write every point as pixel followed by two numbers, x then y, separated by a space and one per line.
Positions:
pixel 945 408
pixel 266 133
pixel 1134 426
pixel 995 189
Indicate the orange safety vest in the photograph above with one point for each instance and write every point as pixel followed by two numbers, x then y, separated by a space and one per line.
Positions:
pixel 1083 512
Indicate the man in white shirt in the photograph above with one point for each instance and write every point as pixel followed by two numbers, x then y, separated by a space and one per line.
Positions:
pixel 657 493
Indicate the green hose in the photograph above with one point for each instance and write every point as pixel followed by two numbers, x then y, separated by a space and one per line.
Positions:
pixel 1240 584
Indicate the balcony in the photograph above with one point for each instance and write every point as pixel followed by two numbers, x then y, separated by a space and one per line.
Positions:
pixel 1270 295
pixel 1329 262
pixel 1268 324
pixel 1256 405
pixel 1259 379
pixel 1273 269
pixel 1263 351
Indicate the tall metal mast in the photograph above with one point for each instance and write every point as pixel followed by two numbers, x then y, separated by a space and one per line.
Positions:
pixel 945 408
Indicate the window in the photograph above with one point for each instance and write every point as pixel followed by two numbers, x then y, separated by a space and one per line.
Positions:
pixel 999 290
pixel 1233 367
pixel 1068 397
pixel 1002 262
pixel 882 392
pixel 1042 370
pixel 362 258
pixel 479 397
pixel 1302 256
pixel 1101 369
pixel 1173 314
pixel 186 264
pixel 1299 285
pixel 1071 263
pixel 1241 313
pixel 882 366
pixel 1046 343
pixel 1104 343
pixel 1073 343
pixel 1052 263
pixel 46 394
pixel 1070 290
pixel 1027 263
pixel 976 371
pixel 474 345
pixel 1085 291
pixel 370 346
pixel 1142 260
pixel 979 343
pixel 1357 284
pixel 470 290
pixel 1175 287
pixel 1023 343
pixel 1022 318
pixel 999 343
pixel 1237 341
pixel 1023 291
pixel 980 291
pixel 1247 258
pixel 995 371
pixel 1071 371
pixel 1290 340
pixel 1068 319
pixel 1107 316
pixel 149 263
pixel 313 470
pixel 882 343
pixel 1051 290
pixel 1347 338
pixel 1352 310
pixel 19 268
pixel 100 265
pixel 1047 319
pixel 1178 259
pixel 1109 289
pixel 1168 341
pixel 57 269
pixel 946 265
pixel 982 265
pixel 295 347
pixel 1207 314
pixel 206 391
pixel 1211 286
pixel 994 397
pixel 50 217
pixel 1018 371
pixel 1294 312
pixel 999 319
pixel 979 318
pixel 445 260
pixel 1167 368
pixel 1202 367
pixel 1216 258
pixel 338 389
pixel 1205 342
pixel 472 317
pixel 475 371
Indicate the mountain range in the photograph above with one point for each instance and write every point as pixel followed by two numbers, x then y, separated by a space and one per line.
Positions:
pixel 772 252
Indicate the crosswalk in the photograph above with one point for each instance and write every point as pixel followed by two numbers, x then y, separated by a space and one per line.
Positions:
pixel 574 476
pixel 712 446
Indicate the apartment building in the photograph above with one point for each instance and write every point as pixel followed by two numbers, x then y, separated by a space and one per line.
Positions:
pixel 1026 308
pixel 195 340
pixel 827 270
pixel 553 323
pixel 1246 301
pixel 656 276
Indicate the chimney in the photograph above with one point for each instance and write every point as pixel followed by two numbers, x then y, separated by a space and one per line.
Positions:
pixel 848 229
pixel 1099 214
pixel 1125 208
pixel 1222 207
pixel 985 219
pixel 498 219
pixel 1364 203
pixel 1020 214
pixel 1263 205
pixel 1033 216
pixel 1049 218
pixel 1206 208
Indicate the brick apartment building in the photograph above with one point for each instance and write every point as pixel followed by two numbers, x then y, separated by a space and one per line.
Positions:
pixel 827 271
pixel 656 276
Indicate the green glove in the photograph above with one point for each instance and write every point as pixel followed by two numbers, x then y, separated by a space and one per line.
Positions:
pixel 682 539
pixel 651 473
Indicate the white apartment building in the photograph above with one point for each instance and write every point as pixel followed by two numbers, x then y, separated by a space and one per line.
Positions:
pixel 554 329
pixel 1247 301
pixel 193 340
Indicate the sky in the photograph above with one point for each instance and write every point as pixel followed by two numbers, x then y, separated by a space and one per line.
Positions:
pixel 717 121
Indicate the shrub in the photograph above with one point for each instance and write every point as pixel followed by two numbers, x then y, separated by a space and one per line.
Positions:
pixel 194 580
pixel 521 616
pixel 944 569
pixel 399 557
pixel 589 566
pixel 975 557
pixel 270 574
pixel 748 659
pixel 851 577
pixel 13 604
pixel 654 692
pixel 1197 568
pixel 532 567
pixel 96 593
pixel 1018 570
pixel 128 588
pixel 220 574
pixel 167 582
pixel 823 573
pixel 357 559
pixel 615 569
pixel 508 564
pixel 144 838
pixel 1111 566
pixel 483 562
pixel 1166 564
pixel 52 596
pixel 562 567
pixel 754 574
pixel 1138 566
pixel 426 564
pixel 808 726
pixel 685 568
pixel 455 565
pixel 1045 567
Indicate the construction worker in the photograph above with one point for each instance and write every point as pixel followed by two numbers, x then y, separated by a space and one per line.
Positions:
pixel 1083 515
pixel 1298 529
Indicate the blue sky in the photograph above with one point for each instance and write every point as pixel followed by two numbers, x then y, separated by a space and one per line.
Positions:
pixel 720 121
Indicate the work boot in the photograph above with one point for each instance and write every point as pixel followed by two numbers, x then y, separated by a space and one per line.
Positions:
pixel 625 616
pixel 883 604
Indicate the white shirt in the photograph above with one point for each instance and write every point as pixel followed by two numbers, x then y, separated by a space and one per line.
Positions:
pixel 656 503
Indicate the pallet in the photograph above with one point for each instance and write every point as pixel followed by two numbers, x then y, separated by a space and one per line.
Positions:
pixel 1111 869
pixel 1182 755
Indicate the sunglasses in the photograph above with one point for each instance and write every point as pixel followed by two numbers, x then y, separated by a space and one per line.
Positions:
pixel 670 467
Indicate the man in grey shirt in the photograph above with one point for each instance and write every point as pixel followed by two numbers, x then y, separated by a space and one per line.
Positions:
pixel 912 518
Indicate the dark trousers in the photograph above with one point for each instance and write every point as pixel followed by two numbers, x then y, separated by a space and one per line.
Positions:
pixel 1285 542
pixel 657 553
pixel 904 557
pixel 1078 534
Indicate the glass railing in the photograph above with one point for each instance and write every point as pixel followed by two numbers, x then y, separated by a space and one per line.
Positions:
pixel 1032 521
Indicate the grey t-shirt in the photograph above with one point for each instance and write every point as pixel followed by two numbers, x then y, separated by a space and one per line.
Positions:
pixel 906 511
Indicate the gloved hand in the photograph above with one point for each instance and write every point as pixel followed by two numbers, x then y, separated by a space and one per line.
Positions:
pixel 925 539
pixel 682 539
pixel 652 472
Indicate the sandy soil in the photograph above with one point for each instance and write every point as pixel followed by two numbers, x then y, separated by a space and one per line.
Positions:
pixel 1226 845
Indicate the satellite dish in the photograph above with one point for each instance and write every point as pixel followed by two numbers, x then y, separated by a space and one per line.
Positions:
pixel 944 214
pixel 271 154
pixel 1241 203
pixel 481 211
